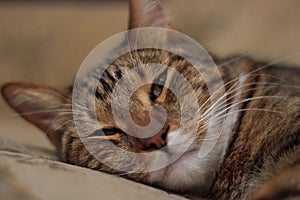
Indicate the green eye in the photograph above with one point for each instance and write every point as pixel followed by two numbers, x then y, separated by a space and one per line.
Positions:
pixel 157 89
pixel 158 85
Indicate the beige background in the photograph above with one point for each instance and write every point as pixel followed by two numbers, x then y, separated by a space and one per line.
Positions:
pixel 46 42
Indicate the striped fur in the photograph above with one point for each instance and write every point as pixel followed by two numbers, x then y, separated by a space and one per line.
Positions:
pixel 258 158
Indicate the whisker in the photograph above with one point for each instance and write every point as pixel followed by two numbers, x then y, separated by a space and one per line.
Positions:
pixel 247 109
pixel 60 95
pixel 242 101
pixel 232 89
pixel 216 107
pixel 80 106
pixel 63 124
pixel 248 53
pixel 278 61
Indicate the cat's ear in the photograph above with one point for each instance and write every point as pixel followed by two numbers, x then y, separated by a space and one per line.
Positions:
pixel 146 13
pixel 37 104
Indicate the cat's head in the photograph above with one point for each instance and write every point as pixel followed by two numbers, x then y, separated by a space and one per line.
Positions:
pixel 50 109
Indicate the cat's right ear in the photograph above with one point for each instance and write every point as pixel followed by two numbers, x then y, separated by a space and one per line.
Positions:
pixel 38 104
pixel 146 13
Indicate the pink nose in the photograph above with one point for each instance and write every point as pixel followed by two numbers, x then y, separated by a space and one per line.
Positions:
pixel 158 141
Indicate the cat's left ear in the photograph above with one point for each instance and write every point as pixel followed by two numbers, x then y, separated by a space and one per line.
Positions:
pixel 147 13
pixel 38 104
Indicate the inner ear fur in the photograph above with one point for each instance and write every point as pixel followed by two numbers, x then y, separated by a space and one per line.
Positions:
pixel 38 104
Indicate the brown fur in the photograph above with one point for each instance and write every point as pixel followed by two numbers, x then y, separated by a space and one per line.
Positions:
pixel 264 143
pixel 262 158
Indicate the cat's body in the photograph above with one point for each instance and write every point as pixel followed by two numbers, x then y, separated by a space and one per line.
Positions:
pixel 264 144
pixel 257 158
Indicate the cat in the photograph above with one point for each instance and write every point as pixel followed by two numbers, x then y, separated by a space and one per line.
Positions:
pixel 259 159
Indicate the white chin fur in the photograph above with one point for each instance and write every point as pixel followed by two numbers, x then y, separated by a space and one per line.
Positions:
pixel 188 173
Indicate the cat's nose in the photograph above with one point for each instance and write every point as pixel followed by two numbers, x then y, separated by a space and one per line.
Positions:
pixel 159 140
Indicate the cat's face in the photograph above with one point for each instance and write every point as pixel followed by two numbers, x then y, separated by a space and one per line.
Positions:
pixel 175 147
pixel 180 136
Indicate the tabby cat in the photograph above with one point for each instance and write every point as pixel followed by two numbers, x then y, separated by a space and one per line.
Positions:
pixel 258 159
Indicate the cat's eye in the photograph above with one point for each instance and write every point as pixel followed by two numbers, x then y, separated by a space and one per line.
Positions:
pixel 112 134
pixel 105 132
pixel 158 86
pixel 109 132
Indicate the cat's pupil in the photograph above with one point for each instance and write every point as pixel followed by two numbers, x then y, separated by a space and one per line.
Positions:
pixel 158 85
pixel 157 89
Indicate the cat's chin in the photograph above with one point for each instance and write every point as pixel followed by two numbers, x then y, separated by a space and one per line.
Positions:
pixel 189 173
pixel 185 170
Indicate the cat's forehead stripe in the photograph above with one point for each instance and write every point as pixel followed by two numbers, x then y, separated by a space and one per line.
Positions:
pixel 116 71
pixel 107 82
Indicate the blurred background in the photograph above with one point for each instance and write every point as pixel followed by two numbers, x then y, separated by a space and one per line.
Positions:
pixel 46 41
